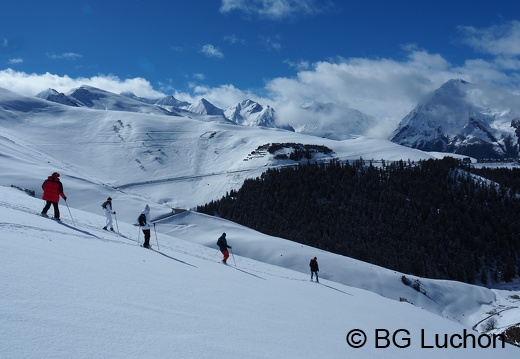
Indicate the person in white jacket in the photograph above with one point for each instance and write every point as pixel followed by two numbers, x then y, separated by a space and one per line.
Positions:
pixel 107 206
pixel 145 225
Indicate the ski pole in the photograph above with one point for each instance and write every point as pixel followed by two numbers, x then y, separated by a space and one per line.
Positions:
pixel 70 213
pixel 117 225
pixel 233 256
pixel 156 236
pixel 214 255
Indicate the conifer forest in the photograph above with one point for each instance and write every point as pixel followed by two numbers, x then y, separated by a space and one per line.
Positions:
pixel 442 219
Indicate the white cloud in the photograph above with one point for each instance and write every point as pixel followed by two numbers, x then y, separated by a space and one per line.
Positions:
pixel 498 40
pixel 383 88
pixel 211 51
pixel 31 84
pixel 300 65
pixel 270 43
pixel 233 39
pixel 15 61
pixel 64 56
pixel 274 9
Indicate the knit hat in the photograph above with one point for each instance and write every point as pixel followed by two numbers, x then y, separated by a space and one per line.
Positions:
pixel 109 199
pixel 147 207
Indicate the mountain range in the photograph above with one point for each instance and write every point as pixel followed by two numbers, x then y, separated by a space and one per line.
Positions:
pixel 459 117
pixel 246 113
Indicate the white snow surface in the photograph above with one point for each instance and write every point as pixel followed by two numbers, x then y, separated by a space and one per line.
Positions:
pixel 73 290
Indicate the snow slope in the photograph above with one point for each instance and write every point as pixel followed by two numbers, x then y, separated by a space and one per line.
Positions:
pixel 76 291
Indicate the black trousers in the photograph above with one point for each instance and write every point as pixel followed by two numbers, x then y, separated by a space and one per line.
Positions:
pixel 146 233
pixel 56 209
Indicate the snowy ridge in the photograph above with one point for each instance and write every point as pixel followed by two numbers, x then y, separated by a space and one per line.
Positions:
pixel 347 121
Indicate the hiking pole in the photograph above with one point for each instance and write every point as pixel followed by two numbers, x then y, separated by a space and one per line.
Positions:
pixel 233 256
pixel 70 213
pixel 156 236
pixel 214 255
pixel 117 225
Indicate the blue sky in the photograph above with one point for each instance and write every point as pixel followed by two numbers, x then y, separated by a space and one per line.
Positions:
pixel 378 57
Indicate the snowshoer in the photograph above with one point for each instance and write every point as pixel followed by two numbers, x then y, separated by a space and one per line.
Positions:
pixel 52 190
pixel 107 206
pixel 222 244
pixel 314 268
pixel 145 223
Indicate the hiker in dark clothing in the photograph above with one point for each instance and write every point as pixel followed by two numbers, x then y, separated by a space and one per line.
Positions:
pixel 52 190
pixel 314 268
pixel 145 227
pixel 222 244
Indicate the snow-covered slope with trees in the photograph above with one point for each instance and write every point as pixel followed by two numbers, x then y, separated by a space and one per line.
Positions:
pixel 71 289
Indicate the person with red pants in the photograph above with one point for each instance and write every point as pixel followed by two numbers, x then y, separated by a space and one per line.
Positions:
pixel 52 190
pixel 222 244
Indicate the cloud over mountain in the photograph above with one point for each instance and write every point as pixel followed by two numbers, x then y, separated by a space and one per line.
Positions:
pixel 464 118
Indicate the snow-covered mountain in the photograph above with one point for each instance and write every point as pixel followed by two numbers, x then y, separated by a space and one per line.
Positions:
pixel 204 107
pixel 58 97
pixel 174 164
pixel 463 118
pixel 246 113
pixel 172 102
pixel 92 97
pixel 251 113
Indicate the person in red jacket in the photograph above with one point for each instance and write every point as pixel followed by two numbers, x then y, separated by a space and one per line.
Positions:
pixel 52 190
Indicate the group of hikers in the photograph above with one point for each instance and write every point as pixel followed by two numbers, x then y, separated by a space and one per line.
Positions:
pixel 53 190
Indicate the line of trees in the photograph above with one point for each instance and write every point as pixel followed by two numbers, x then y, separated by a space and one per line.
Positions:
pixel 434 218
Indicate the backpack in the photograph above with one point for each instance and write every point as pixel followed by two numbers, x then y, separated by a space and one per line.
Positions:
pixel 142 220
pixel 104 205
pixel 219 242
